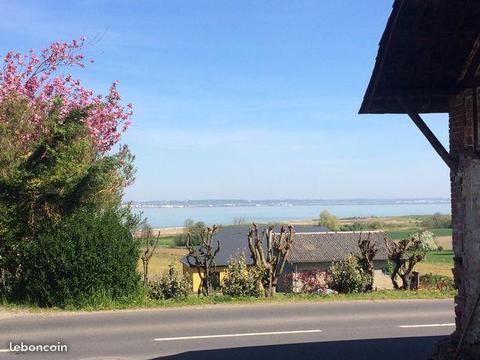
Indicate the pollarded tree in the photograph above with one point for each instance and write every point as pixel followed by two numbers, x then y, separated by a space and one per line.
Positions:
pixel 202 257
pixel 405 254
pixel 150 246
pixel 270 260
pixel 368 250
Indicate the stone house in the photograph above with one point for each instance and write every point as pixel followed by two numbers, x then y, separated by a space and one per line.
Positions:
pixel 317 251
pixel 313 247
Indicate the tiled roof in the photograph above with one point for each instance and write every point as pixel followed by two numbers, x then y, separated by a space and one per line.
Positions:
pixel 333 246
pixel 233 241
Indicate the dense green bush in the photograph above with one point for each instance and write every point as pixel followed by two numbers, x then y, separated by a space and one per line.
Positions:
pixel 347 276
pixel 88 253
pixel 179 240
pixel 239 280
pixel 171 285
pixel 436 282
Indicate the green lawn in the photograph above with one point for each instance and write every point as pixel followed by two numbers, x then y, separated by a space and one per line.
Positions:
pixel 437 262
pixel 439 257
pixel 402 234
pixel 164 241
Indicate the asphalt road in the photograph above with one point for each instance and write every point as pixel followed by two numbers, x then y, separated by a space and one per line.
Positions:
pixel 343 330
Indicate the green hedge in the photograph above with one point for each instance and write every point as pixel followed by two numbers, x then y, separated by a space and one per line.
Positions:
pixel 86 255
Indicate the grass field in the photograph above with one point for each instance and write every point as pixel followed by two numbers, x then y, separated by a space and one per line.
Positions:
pixel 401 234
pixel 437 262
pixel 163 257
pixel 163 241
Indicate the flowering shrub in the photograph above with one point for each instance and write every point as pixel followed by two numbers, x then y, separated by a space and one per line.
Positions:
pixel 428 240
pixel 436 282
pixel 239 280
pixel 33 79
pixel 171 285
pixel 55 167
pixel 308 282
pixel 313 281
pixel 347 276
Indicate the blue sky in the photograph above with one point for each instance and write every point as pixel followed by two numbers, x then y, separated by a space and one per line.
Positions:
pixel 244 99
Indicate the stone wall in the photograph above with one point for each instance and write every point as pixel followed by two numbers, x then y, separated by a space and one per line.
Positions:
pixel 464 116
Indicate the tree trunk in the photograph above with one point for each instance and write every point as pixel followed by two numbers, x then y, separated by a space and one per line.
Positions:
pixel 394 277
pixel 145 270
pixel 406 281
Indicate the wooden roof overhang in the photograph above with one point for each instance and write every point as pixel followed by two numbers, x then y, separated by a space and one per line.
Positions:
pixel 430 49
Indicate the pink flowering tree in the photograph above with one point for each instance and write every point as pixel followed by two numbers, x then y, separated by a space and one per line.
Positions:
pixel 56 136
pixel 61 183
pixel 36 80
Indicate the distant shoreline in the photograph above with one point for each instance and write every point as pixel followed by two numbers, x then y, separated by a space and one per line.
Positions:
pixel 171 217
pixel 177 230
pixel 232 203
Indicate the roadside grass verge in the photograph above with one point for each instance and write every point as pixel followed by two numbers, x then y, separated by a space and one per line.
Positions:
pixel 140 301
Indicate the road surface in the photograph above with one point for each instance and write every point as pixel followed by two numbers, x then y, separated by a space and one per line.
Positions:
pixel 391 330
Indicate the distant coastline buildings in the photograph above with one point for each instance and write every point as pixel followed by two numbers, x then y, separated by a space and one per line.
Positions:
pixel 281 202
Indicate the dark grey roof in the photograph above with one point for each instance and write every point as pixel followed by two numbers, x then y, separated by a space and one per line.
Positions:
pixel 333 246
pixel 233 241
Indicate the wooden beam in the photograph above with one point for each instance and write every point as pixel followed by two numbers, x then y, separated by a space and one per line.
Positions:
pixel 432 139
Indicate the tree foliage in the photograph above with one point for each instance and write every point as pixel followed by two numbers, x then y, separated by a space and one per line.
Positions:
pixel 428 241
pixel 328 220
pixel 55 167
pixel 35 81
pixel 193 230
pixel 437 221
pixel 374 224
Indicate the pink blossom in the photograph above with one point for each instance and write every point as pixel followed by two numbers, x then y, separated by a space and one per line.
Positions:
pixel 35 78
